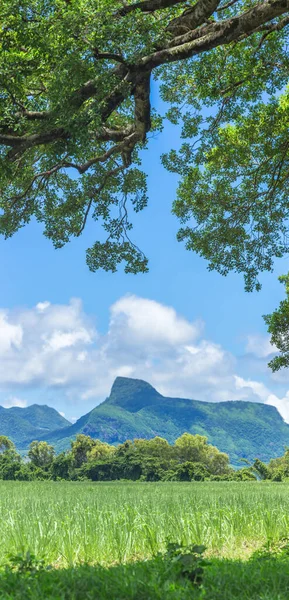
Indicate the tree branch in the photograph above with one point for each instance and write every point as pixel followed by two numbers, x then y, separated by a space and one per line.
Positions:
pixel 216 34
pixel 274 27
pixel 227 5
pixel 33 115
pixel 107 56
pixel 193 17
pixel 99 189
pixel 134 79
pixel 27 141
pixel 147 6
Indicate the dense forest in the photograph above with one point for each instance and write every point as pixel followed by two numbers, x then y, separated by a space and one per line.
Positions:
pixel 190 458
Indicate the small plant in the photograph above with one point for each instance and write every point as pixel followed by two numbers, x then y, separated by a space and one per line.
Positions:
pixel 189 560
pixel 273 549
pixel 25 564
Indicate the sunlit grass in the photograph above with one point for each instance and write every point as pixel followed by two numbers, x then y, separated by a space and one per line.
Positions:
pixel 107 523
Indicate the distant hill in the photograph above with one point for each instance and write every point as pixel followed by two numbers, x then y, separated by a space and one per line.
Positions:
pixel 23 425
pixel 135 409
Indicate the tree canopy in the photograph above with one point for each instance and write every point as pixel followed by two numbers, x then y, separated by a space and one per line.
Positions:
pixel 76 111
pixel 190 458
pixel 41 454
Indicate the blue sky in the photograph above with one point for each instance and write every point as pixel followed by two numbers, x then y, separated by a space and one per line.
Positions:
pixel 104 336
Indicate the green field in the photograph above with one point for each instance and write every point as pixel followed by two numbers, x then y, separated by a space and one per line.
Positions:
pixel 68 523
pixel 76 526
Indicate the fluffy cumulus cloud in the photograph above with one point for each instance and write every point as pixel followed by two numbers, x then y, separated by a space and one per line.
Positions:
pixel 38 345
pixel 57 348
pixel 146 322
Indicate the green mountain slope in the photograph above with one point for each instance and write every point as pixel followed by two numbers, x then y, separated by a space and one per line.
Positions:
pixel 22 425
pixel 135 409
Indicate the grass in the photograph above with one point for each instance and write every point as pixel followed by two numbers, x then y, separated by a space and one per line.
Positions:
pixel 69 523
pixel 153 580
pixel 103 539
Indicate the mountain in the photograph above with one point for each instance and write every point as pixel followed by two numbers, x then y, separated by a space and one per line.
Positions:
pixel 135 409
pixel 23 425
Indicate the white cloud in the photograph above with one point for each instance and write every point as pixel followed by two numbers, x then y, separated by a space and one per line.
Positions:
pixel 259 389
pixel 263 394
pixel 39 346
pixel 42 306
pixel 282 405
pixel 60 339
pixel 13 401
pixel 10 334
pixel 260 346
pixel 143 321
pixel 56 347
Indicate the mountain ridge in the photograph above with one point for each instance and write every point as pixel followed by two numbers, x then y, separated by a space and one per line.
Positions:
pixel 134 409
pixel 29 423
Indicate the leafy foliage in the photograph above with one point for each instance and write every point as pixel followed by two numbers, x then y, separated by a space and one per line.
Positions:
pixel 76 111
pixel 278 327
pixel 25 564
pixel 191 458
pixel 232 199
pixel 155 579
pixel 41 454
pixel 147 460
pixel 175 575
pixel 189 560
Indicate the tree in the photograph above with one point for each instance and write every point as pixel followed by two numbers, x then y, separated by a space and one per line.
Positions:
pixel 278 327
pixel 192 448
pixel 61 467
pixel 127 448
pixel 217 462
pixel 278 468
pixel 261 469
pixel 6 444
pixel 100 451
pixel 10 460
pixel 76 111
pixel 157 447
pixel 41 454
pixel 190 471
pixel 195 449
pixel 153 469
pixel 245 474
pixel 81 448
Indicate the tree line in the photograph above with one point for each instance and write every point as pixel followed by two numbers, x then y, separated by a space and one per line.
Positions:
pixel 190 458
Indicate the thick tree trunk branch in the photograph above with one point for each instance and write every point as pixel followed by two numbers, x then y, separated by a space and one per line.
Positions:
pixel 193 17
pixel 97 126
pixel 217 34
pixel 227 5
pixel 142 106
pixel 134 80
pixel 33 115
pixel 113 135
pixel 27 141
pixel 148 6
